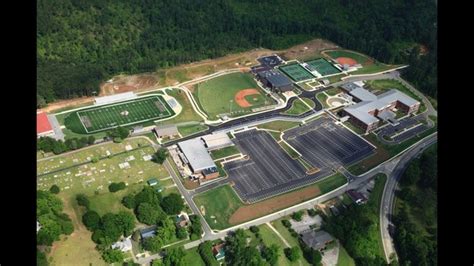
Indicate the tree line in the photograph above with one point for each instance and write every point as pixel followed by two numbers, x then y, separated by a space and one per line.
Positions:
pixel 82 43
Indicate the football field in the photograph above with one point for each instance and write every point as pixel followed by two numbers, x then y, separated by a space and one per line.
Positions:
pixel 126 113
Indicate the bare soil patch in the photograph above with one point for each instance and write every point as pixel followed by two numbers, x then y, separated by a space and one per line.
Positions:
pixel 123 83
pixel 252 211
pixel 66 103
pixel 307 49
pixel 346 61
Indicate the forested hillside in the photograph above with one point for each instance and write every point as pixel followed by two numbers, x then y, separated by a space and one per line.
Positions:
pixel 83 42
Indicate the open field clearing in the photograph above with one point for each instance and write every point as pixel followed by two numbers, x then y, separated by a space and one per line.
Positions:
pixel 298 107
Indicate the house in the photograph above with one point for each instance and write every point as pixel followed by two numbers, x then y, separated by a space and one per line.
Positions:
pixel 169 131
pixel 123 245
pixel 148 232
pixel 317 240
pixel 218 251
pixel 153 181
pixel 356 196
pixel 182 220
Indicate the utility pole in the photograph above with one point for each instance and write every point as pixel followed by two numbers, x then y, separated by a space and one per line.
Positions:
pixel 230 106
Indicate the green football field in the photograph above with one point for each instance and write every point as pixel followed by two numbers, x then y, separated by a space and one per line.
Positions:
pixel 323 67
pixel 217 96
pixel 296 72
pixel 125 113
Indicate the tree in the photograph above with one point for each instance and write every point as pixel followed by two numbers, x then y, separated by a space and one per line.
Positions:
pixel 90 140
pixel 205 250
pixel 54 189
pixel 195 229
pixel 297 216
pixel 312 212
pixel 254 229
pixel 316 257
pixel 166 229
pixel 148 195
pixel 129 201
pixel 136 236
pixel 91 220
pixel 172 204
pixel 181 233
pixel 126 221
pixel 293 254
pixel 271 254
pixel 41 259
pixel 286 223
pixel 82 200
pixel 112 255
pixel 111 227
pixel 148 214
pixel 174 257
pixel 153 244
pixel 160 155
pixel 114 187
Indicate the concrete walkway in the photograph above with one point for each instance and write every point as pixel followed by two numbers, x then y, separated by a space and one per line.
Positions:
pixel 279 235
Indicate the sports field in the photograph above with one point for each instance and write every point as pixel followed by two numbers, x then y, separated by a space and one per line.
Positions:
pixel 234 94
pixel 100 118
pixel 359 58
pixel 296 72
pixel 323 67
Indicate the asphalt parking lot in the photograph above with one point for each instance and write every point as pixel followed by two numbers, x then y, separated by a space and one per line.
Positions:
pixel 323 143
pixel 269 170
pixel 406 129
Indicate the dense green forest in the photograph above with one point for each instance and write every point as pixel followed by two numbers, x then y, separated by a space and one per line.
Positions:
pixel 83 42
pixel 416 221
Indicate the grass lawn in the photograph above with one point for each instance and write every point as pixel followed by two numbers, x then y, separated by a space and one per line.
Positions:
pixel 229 206
pixel 68 134
pixel 275 135
pixel 298 107
pixel 191 129
pixel 322 99
pixel 112 202
pixel 376 196
pixel 217 95
pixel 220 203
pixel 269 237
pixel 224 152
pixel 336 78
pixel 361 59
pixel 374 68
pixel 293 242
pixel 354 128
pixel 187 113
pixel 293 154
pixel 333 91
pixel 279 125
pixel 192 258
pixel 344 259
pixel 386 84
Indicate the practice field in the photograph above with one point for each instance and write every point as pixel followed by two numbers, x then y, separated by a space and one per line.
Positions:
pixel 269 171
pixel 100 118
pixel 235 94
pixel 296 72
pixel 323 67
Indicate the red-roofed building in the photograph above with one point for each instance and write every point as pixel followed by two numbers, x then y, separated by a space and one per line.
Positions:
pixel 43 126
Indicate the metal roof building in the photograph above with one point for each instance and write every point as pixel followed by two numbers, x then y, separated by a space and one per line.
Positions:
pixel 166 130
pixel 275 80
pixel 196 154
pixel 217 141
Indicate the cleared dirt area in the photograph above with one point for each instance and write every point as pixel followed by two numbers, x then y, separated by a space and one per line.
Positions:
pixel 62 104
pixel 307 50
pixel 346 61
pixel 249 212
pixel 120 84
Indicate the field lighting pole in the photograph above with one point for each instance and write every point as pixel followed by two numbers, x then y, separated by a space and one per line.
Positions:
pixel 230 106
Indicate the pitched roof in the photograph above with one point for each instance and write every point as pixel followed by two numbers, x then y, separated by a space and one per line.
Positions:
pixel 42 123
pixel 316 240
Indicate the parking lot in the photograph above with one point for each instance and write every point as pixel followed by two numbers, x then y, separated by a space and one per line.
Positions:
pixel 406 129
pixel 323 143
pixel 268 171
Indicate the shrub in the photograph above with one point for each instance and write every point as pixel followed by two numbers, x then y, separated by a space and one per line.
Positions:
pixel 297 216
pixel 312 212
pixel 54 189
pixel 114 187
pixel 254 229
pixel 286 223
pixel 82 200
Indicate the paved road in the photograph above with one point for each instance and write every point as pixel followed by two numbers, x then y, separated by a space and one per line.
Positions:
pixel 388 196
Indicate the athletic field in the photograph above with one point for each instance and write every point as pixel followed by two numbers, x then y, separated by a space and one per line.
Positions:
pixel 360 59
pixel 296 72
pixel 323 67
pixel 125 113
pixel 234 94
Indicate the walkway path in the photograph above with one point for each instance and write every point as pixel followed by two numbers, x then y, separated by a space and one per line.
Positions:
pixel 279 235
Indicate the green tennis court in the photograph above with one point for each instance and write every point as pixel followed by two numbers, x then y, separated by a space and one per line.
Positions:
pixel 296 72
pixel 323 67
